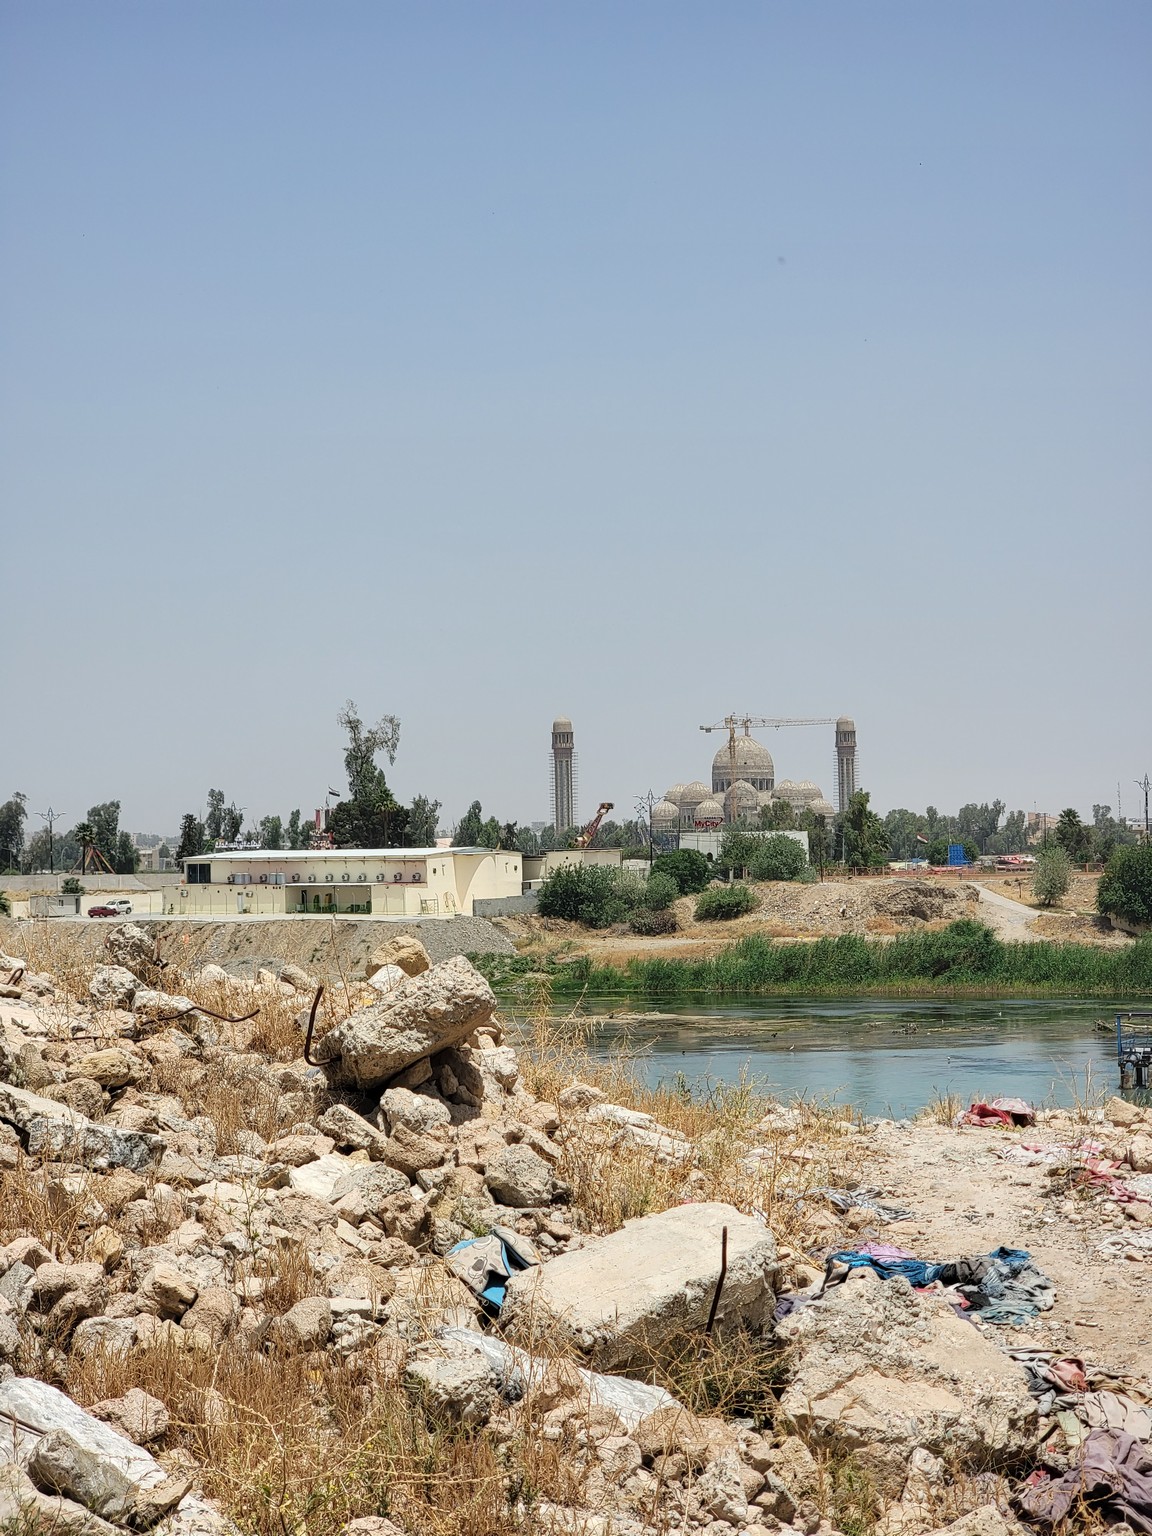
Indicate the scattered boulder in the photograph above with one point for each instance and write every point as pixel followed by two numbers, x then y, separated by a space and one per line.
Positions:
pixel 168 1291
pixel 112 986
pixel 881 1371
pixel 298 978
pixel 409 1151
pixel 351 1131
pixel 306 1326
pixel 137 1415
pixel 1120 1112
pixel 159 1007
pixel 518 1176
pixel 132 947
pixel 439 1008
pixel 1140 1154
pixel 418 1111
pixel 657 1275
pixel 404 952
pixel 24 1508
pixel 454 1378
pixel 53 1130
pixel 112 1068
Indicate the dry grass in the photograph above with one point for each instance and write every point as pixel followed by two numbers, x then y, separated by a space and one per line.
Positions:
pixel 291 1444
pixel 59 1207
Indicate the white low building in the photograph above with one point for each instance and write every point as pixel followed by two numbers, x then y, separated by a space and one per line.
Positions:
pixel 354 882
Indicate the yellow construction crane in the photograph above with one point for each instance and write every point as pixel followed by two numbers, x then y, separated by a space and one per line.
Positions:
pixel 761 722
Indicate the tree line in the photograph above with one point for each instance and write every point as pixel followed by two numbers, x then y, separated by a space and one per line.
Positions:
pixel 95 843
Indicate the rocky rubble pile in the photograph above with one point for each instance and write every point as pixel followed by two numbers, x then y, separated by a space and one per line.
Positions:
pixel 146 1217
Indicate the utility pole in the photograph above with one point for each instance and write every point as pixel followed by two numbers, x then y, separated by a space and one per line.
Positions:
pixel 50 816
pixel 1145 785
pixel 645 803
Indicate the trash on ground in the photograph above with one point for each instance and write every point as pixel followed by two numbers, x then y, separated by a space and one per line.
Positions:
pixel 1010 1112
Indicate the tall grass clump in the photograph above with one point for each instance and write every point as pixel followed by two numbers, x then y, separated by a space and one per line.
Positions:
pixel 965 956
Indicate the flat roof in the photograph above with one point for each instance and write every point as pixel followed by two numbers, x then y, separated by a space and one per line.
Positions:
pixel 275 855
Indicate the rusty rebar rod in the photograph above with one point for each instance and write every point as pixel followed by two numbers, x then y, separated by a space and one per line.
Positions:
pixel 311 1027
pixel 720 1281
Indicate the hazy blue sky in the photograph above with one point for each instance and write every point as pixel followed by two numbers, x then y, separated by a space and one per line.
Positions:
pixel 636 361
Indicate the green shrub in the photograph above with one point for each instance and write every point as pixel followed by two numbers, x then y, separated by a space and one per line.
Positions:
pixel 1052 875
pixel 651 920
pixel 1125 889
pixel 71 887
pixel 778 858
pixel 762 858
pixel 5 908
pixel 690 869
pixel 724 901
pixel 590 894
pixel 660 891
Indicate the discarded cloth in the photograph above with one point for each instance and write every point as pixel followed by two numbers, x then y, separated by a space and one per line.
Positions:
pixel 915 1271
pixel 485 1264
pixel 1002 1287
pixel 1113 1471
pixel 1112 1410
pixel 1008 1112
pixel 1038 1154
pixel 867 1199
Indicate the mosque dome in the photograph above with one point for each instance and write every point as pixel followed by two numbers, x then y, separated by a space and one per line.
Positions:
pixel 561 723
pixel 709 813
pixel 673 795
pixel 740 800
pixel 665 816
pixel 753 764
pixel 807 791
pixel 692 794
pixel 788 790
pixel 822 807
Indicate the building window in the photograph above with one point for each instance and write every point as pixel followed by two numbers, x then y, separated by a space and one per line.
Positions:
pixel 199 874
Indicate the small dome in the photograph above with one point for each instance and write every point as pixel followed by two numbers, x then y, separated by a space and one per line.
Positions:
pixel 785 790
pixel 845 724
pixel 561 723
pixel 808 790
pixel 674 794
pixel 692 794
pixel 822 807
pixel 740 800
pixel 665 815
pixel 709 813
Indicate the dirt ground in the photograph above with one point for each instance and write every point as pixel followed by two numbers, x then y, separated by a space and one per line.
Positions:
pixel 878 906
pixel 968 1200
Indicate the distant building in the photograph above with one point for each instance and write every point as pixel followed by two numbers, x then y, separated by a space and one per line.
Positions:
pixel 691 808
pixel 353 882
pixel 563 774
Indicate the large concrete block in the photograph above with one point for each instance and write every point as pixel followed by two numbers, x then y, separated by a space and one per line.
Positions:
pixel 428 1013
pixel 624 1293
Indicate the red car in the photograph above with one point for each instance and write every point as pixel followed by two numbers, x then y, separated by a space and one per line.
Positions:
pixel 120 911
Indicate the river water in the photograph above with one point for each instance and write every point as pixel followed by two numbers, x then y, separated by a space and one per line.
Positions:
pixel 884 1056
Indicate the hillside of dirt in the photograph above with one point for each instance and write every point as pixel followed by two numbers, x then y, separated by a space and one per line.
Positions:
pixel 787 911
pixel 243 946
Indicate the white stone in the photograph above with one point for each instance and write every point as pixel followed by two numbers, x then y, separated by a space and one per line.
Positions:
pixel 656 1275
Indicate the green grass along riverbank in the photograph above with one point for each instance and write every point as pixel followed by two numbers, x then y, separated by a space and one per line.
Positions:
pixel 964 958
